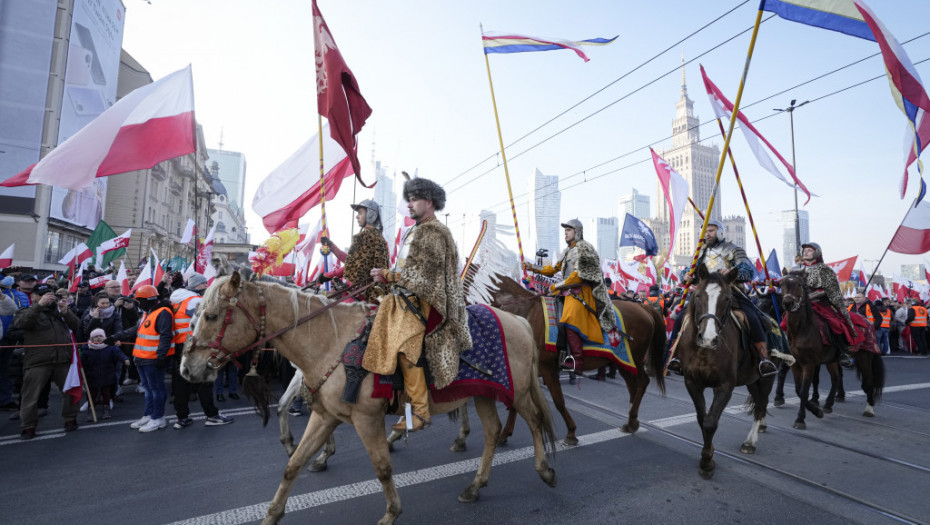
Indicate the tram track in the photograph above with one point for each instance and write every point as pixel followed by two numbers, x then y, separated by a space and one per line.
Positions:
pixel 871 506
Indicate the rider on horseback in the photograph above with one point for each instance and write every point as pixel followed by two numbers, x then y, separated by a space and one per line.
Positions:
pixel 825 290
pixel 723 256
pixel 368 249
pixel 424 314
pixel 586 313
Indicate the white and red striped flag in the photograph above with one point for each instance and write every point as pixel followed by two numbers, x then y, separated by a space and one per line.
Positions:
pixel 205 253
pixel 120 241
pixel 159 269
pixel 78 277
pixel 122 277
pixel 144 278
pixel 913 235
pixel 149 125
pixel 98 282
pixel 6 258
pixel 73 385
pixel 675 189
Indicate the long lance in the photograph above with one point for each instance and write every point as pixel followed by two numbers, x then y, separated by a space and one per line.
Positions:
pixel 696 209
pixel 500 138
pixel 723 155
pixel 324 249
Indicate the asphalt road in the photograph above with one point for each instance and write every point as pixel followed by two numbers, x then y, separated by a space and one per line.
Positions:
pixel 844 469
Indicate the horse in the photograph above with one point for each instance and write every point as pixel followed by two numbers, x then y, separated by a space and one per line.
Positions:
pixel 712 355
pixel 234 317
pixel 646 329
pixel 805 340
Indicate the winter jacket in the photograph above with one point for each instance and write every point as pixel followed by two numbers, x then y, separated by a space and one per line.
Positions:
pixel 45 325
pixel 100 365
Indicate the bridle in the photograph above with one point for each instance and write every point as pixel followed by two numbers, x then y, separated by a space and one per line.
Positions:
pixel 786 296
pixel 711 315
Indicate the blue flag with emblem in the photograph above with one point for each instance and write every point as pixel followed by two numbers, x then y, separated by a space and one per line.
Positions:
pixel 636 233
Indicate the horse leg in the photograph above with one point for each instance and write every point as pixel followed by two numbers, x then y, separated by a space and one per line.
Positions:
pixel 835 381
pixel 803 384
pixel 636 384
pixel 533 409
pixel 318 430
pixel 508 427
pixel 292 391
pixel 319 464
pixel 700 407
pixel 550 376
pixel 815 386
pixel 864 365
pixel 780 387
pixel 464 430
pixel 709 428
pixel 487 411
pixel 370 428
pixel 759 399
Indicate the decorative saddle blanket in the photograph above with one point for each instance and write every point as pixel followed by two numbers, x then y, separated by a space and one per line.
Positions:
pixel 488 353
pixel 615 347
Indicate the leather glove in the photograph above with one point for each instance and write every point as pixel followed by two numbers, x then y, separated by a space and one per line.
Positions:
pixel 161 363
pixel 322 278
pixel 324 240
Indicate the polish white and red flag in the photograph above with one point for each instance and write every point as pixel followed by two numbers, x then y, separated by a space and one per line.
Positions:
pixel 73 385
pixel 152 124
pixel 723 108
pixel 144 278
pixel 122 277
pixel 675 189
pixel 78 277
pixel 293 188
pixel 120 241
pixel 843 268
pixel 77 255
pixel 98 282
pixel 913 235
pixel 6 258
pixel 210 273
pixel 205 253
pixel 189 231
pixel 159 269
pixel 309 236
pixel 874 292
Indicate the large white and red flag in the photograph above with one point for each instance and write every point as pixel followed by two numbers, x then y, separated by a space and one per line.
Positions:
pixel 289 191
pixel 189 230
pixel 149 125
pixel 77 277
pixel 913 235
pixel 122 277
pixel 675 188
pixel 337 94
pixel 144 278
pixel 844 268
pixel 205 253
pixel 120 241
pixel 159 272
pixel 73 385
pixel 6 258
pixel 98 282
pixel 723 108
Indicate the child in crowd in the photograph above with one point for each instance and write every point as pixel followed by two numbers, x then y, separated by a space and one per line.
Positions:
pixel 100 362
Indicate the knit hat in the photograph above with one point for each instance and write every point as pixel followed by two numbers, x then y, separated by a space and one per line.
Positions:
pixel 97 332
pixel 195 280
pixel 7 282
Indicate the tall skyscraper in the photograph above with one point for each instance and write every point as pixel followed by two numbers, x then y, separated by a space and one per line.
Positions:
pixel 604 234
pixel 386 197
pixel 545 206
pixel 695 162
pixel 637 205
pixel 789 244
pixel 230 168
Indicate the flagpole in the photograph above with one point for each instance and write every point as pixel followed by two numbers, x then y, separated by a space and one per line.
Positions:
pixel 875 270
pixel 723 155
pixel 324 249
pixel 696 209
pixel 500 139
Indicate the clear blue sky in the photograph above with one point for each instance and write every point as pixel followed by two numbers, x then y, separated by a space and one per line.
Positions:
pixel 420 66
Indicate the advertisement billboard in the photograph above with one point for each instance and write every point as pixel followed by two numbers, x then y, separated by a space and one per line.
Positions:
pixel 90 88
pixel 27 31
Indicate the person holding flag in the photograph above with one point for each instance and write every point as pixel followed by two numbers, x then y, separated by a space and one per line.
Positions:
pixel 47 328
pixel 587 311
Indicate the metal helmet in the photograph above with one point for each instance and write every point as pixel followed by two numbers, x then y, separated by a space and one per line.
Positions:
pixel 818 252
pixel 372 212
pixel 719 224
pixel 576 225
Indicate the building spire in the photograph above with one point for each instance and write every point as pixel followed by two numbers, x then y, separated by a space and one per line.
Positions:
pixel 684 88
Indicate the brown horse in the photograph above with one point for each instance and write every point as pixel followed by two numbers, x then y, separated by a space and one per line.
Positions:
pixel 712 355
pixel 807 345
pixel 226 325
pixel 644 325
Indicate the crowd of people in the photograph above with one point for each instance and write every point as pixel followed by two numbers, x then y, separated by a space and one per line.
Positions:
pixel 123 341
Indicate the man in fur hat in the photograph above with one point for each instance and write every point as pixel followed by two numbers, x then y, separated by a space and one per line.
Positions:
pixel 368 250
pixel 425 312
pixel 587 311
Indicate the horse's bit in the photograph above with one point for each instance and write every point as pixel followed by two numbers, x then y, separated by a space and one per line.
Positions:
pixel 216 360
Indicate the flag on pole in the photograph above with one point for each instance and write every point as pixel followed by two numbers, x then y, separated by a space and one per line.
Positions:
pixel 102 233
pixel 913 235
pixel 498 42
pixel 188 232
pixel 144 278
pixel 159 271
pixel 149 125
pixel 78 277
pixel 723 109
pixel 73 385
pixel 188 272
pixel 6 258
pixel 337 94
pixel 843 269
pixel 292 189
pixel 116 243
pixel 98 282
pixel 675 189
pixel 206 252
pixel 122 277
pixel 636 233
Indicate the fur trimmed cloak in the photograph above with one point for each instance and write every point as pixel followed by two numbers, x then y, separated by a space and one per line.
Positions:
pixel 586 275
pixel 368 250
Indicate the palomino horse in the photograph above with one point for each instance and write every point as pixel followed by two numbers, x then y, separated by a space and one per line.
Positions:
pixel 232 318
pixel 807 345
pixel 711 352
pixel 644 325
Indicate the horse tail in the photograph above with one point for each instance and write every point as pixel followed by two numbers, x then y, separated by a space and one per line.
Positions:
pixel 656 348
pixel 543 414
pixel 878 376
pixel 257 391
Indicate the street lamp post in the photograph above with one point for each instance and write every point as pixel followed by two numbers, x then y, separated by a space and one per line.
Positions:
pixel 794 165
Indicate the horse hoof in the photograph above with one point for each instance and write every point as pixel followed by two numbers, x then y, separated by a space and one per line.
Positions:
pixel 815 402
pixel 800 425
pixel 317 466
pixel 840 399
pixel 390 446
pixel 747 448
pixel 763 428
pixel 630 428
pixel 502 442
pixel 469 495
pixel 459 446
pixel 868 413
pixel 779 402
pixel 827 410
pixel 570 441
pixel 818 413
pixel 550 478
pixel 706 474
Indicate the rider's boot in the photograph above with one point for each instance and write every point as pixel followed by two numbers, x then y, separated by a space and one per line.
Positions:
pixel 766 367
pixel 415 385
pixel 574 362
pixel 845 360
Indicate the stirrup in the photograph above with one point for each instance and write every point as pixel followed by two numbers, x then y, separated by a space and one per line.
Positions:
pixel 674 365
pixel 771 372
pixel 568 364
pixel 845 360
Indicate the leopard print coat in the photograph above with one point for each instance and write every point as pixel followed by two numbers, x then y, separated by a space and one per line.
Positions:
pixel 369 250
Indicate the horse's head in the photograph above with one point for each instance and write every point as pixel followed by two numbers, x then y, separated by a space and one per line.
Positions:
pixel 221 328
pixel 793 291
pixel 710 305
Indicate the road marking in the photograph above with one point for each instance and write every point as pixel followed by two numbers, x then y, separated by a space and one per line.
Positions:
pixel 50 435
pixel 257 512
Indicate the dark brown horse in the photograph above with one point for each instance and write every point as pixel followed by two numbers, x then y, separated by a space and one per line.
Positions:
pixel 713 356
pixel 644 325
pixel 807 345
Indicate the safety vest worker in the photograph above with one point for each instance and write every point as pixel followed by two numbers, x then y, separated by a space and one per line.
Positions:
pixel 886 319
